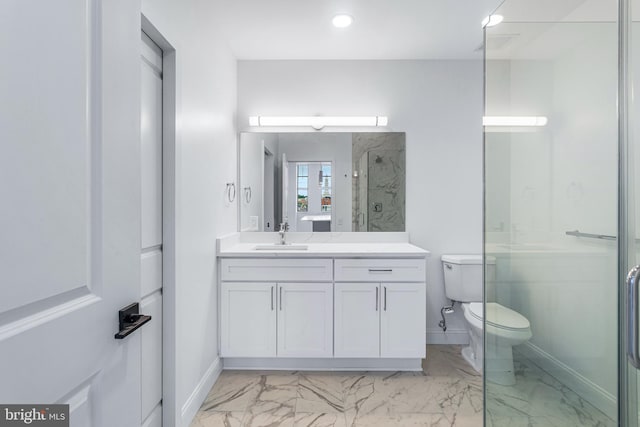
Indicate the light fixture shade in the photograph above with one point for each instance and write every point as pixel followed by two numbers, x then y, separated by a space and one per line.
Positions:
pixel 514 121
pixel 492 20
pixel 342 20
pixel 318 122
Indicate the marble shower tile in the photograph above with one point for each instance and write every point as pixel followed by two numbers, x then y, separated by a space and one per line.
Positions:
pixel 534 422
pixel 538 394
pixel 303 419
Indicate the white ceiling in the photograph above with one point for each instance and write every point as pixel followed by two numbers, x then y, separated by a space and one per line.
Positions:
pixel 548 29
pixel 382 29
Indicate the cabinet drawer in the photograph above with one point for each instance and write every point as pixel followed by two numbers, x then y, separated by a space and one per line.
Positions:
pixel 280 270
pixel 380 270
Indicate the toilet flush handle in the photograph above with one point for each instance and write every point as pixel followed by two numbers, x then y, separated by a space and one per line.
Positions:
pixel 633 316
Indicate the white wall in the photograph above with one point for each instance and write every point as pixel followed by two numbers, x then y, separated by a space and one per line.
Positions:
pixel 250 189
pixel 206 160
pixel 439 106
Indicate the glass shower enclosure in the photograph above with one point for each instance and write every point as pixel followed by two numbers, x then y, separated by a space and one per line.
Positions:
pixel 561 176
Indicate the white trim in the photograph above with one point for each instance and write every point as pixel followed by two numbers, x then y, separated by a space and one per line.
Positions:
pixel 199 394
pixel 452 336
pixel 322 364
pixel 585 388
pixel 170 161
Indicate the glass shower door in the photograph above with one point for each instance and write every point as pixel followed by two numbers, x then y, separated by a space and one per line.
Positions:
pixel 551 215
pixel 629 206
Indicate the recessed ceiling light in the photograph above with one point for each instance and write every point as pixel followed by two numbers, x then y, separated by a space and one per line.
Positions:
pixel 492 20
pixel 342 21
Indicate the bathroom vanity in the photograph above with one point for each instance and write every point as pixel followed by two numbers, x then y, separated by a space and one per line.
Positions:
pixel 323 301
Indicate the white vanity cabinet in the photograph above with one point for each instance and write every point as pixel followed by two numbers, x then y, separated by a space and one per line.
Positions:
pixel 305 320
pixel 380 308
pixel 333 312
pixel 357 320
pixel 276 308
pixel 248 319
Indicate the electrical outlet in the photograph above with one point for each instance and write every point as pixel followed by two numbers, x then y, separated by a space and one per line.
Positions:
pixel 253 223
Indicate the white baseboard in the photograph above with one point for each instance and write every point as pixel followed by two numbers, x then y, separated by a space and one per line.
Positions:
pixel 326 364
pixel 585 388
pixel 199 394
pixel 452 336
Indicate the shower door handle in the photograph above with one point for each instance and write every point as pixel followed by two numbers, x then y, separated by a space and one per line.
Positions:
pixel 633 316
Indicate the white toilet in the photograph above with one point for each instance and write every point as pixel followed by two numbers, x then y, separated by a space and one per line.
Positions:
pixel 505 327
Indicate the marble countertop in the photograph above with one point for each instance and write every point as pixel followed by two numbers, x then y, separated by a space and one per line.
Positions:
pixel 325 245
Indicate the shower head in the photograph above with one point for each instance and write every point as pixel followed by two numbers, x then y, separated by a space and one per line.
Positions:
pixel 378 159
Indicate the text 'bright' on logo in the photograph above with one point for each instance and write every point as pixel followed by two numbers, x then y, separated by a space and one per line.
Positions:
pixel 35 415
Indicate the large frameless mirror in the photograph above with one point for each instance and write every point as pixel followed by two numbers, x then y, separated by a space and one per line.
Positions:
pixel 322 181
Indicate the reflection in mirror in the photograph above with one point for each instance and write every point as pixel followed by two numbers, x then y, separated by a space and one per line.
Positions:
pixel 322 181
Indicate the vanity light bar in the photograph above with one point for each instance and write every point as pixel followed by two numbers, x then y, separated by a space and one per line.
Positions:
pixel 318 122
pixel 514 121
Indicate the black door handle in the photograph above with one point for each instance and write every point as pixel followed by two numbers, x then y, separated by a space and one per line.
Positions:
pixel 130 319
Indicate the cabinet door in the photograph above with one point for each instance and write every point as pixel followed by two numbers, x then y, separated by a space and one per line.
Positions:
pixel 248 320
pixel 357 320
pixel 403 320
pixel 305 320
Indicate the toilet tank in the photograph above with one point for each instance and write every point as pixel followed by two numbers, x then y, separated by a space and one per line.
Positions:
pixel 463 276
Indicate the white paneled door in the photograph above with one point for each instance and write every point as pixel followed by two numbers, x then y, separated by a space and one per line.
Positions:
pixel 70 220
pixel 151 225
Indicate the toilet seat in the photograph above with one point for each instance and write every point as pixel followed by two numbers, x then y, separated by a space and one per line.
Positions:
pixel 501 316
pixel 505 331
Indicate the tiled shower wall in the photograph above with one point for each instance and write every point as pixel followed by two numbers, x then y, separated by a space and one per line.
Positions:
pixel 378 191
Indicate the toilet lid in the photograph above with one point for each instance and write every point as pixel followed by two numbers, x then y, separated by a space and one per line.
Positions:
pixel 501 316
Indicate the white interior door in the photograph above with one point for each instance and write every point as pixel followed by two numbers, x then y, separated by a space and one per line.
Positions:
pixel 151 234
pixel 70 224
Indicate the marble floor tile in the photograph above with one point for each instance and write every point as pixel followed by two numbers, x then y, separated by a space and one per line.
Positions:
pixel 458 397
pixel 447 393
pixel 268 420
pixel 318 393
pixel 232 392
pixel 403 420
pixel 389 395
pixel 274 403
pixel 218 419
pixel 304 419
pixel 447 361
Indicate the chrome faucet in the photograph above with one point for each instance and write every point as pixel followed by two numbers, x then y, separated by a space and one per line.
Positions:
pixel 284 227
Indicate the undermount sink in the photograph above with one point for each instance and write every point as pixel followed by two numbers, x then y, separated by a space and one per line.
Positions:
pixel 279 247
